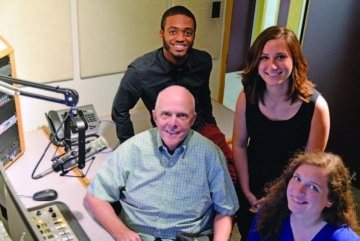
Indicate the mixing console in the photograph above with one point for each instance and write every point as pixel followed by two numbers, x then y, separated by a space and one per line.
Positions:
pixel 55 221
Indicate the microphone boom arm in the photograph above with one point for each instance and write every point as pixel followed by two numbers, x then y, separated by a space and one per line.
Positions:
pixel 71 97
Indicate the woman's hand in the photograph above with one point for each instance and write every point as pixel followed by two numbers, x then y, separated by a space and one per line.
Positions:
pixel 254 202
pixel 255 206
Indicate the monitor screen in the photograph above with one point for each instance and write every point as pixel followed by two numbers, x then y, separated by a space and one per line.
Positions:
pixel 14 215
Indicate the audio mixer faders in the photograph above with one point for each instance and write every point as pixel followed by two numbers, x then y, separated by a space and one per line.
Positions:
pixel 55 221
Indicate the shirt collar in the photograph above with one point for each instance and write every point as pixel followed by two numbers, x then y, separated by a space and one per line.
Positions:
pixel 183 147
pixel 170 67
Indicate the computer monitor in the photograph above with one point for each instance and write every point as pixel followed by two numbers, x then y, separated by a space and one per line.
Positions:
pixel 14 215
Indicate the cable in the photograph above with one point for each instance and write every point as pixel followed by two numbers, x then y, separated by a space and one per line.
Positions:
pixel 73 143
pixel 33 176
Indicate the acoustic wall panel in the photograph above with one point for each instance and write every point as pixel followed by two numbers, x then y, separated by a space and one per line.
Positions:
pixel 112 33
pixel 40 33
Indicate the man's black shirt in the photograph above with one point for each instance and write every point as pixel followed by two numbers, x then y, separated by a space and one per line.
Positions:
pixel 151 73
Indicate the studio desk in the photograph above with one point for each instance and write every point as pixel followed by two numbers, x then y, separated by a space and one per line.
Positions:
pixel 71 190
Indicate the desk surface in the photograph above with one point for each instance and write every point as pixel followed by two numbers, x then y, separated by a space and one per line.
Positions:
pixel 71 190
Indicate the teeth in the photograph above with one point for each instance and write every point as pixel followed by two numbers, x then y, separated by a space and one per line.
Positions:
pixel 299 201
pixel 179 47
pixel 172 133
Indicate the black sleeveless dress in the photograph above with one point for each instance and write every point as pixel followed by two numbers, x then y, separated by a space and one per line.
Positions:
pixel 272 143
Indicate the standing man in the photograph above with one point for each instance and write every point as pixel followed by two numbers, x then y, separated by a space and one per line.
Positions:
pixel 175 63
pixel 169 180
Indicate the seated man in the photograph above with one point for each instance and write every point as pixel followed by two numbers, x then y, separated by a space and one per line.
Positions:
pixel 169 179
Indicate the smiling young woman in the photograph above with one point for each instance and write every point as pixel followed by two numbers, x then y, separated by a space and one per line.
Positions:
pixel 315 188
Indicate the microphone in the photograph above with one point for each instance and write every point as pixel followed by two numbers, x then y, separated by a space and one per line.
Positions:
pixel 71 159
pixel 60 163
pixel 66 161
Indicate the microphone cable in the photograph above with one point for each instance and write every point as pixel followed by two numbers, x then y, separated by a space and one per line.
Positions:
pixel 52 139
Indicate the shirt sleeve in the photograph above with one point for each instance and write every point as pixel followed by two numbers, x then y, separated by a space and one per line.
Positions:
pixel 345 233
pixel 125 99
pixel 205 96
pixel 222 188
pixel 202 93
pixel 104 186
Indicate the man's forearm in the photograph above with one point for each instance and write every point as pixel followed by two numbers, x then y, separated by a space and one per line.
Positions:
pixel 222 227
pixel 105 215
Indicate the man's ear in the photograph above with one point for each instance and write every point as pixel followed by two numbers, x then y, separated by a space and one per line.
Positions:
pixel 194 118
pixel 161 34
pixel 153 115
